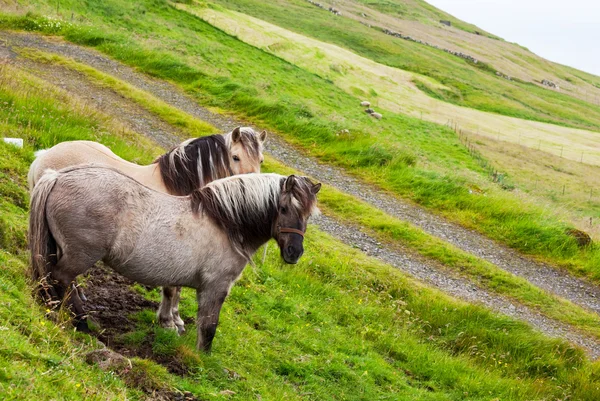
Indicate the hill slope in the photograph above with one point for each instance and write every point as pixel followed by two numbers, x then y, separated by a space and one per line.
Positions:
pixel 421 22
pixel 397 90
pixel 338 325
pixel 339 320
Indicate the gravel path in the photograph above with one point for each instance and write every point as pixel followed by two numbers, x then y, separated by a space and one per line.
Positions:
pixel 106 101
pixel 137 119
pixel 455 285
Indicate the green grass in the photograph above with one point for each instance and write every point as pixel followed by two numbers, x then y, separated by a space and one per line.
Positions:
pixel 472 85
pixel 338 325
pixel 60 117
pixel 419 10
pixel 393 231
pixel 39 359
pixel 192 127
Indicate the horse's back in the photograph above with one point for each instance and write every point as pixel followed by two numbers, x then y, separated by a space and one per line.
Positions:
pixel 72 153
pixel 99 213
pixel 90 207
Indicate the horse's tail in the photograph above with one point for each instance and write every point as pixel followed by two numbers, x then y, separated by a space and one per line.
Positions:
pixel 41 242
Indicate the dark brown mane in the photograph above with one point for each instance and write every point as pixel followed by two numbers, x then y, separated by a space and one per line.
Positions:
pixel 246 206
pixel 194 164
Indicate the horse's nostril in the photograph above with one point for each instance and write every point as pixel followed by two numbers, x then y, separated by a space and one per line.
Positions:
pixel 290 249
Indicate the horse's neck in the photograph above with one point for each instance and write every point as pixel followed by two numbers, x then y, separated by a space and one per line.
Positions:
pixel 256 235
pixel 254 243
pixel 148 175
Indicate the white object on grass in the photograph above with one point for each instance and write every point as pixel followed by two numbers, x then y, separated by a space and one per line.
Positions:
pixel 18 142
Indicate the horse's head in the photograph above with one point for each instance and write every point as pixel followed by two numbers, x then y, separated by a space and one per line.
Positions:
pixel 297 202
pixel 246 148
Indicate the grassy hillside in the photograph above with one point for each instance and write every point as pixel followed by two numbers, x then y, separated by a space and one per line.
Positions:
pixel 467 84
pixel 508 58
pixel 419 10
pixel 338 325
pixel 422 161
pixel 347 208
pixel 393 89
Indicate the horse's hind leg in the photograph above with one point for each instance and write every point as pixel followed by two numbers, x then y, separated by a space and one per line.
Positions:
pixel 164 314
pixel 76 307
pixel 65 272
pixel 175 311
pixel 68 294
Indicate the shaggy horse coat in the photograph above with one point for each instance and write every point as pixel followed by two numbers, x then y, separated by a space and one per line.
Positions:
pixel 84 214
pixel 190 165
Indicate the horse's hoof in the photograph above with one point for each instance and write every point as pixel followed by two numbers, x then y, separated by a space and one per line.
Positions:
pixel 170 325
pixel 82 326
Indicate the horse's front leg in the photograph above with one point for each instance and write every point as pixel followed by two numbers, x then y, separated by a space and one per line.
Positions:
pixel 210 302
pixel 175 311
pixel 164 315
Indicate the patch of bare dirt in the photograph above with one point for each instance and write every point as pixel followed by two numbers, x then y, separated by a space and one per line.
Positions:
pixel 110 304
pixel 111 361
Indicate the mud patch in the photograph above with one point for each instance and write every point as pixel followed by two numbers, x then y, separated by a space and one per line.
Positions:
pixel 110 304
pixel 173 396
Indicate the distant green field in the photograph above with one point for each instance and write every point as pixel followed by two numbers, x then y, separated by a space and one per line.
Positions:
pixel 338 325
pixel 472 85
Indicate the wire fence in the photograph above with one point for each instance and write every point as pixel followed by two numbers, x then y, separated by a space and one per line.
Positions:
pixel 466 138
pixel 535 142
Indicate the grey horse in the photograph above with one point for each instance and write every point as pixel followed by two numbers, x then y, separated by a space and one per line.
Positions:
pixel 88 213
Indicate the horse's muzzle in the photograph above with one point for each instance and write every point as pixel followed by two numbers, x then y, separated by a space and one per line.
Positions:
pixel 292 254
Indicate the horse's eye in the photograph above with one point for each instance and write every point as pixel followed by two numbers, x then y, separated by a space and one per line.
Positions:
pixel 236 158
pixel 261 162
pixel 283 210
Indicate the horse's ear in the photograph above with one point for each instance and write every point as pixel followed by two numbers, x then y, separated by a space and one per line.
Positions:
pixel 315 188
pixel 263 136
pixel 236 134
pixel 290 182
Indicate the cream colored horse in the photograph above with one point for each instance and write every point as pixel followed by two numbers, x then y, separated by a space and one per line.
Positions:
pixel 245 148
pixel 190 165
pixel 84 214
